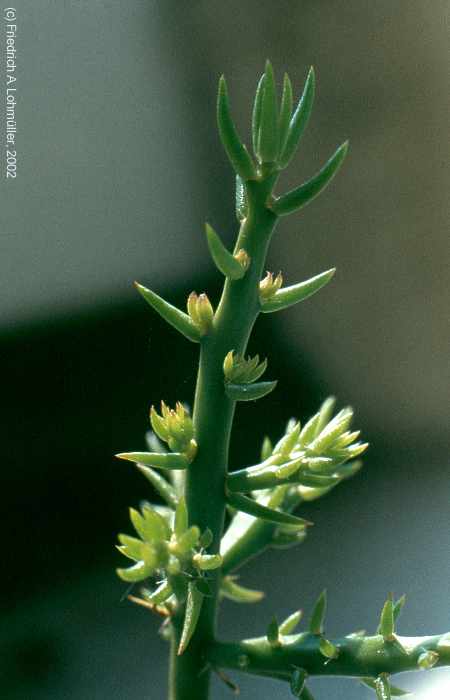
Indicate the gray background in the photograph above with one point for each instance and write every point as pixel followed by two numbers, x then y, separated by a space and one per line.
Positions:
pixel 120 165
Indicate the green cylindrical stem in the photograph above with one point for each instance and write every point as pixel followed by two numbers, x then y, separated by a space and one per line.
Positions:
pixel 213 417
pixel 357 656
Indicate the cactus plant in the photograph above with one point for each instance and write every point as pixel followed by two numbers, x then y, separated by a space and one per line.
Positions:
pixel 185 553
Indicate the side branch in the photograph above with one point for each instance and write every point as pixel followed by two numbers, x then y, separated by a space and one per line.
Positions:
pixel 356 656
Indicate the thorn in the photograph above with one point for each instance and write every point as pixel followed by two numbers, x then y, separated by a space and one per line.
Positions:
pixel 127 591
pixel 228 682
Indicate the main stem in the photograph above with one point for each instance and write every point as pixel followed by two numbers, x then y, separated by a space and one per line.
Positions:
pixel 238 309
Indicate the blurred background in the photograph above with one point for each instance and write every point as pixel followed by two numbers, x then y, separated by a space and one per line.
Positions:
pixel 119 166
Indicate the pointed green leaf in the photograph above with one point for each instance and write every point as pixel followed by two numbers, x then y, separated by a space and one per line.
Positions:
pixel 398 606
pixel 165 490
pixel 288 296
pixel 285 113
pixel 298 680
pixel 139 524
pixel 299 120
pixel 256 115
pixel 140 571
pixel 131 547
pixel 237 593
pixel 302 195
pixel 176 318
pixel 235 150
pixel 203 586
pixel 252 507
pixel 170 460
pixel 156 524
pixel 306 694
pixel 254 478
pixel 241 200
pixel 223 259
pixel 154 444
pixel 193 608
pixel 382 688
pixel 159 426
pixel 249 392
pixel 289 440
pixel 332 431
pixel 318 614
pixel 268 128
pixel 181 520
pixel 316 481
pixel 288 469
pixel 309 430
pixel 386 627
pixel 286 540
pixel 273 633
pixel 206 538
pixel 158 596
pixel 291 622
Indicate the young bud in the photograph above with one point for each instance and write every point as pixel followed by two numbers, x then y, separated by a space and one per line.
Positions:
pixel 238 370
pixel 243 259
pixel 394 691
pixel 200 311
pixel 328 649
pixel 207 562
pixel 427 660
pixel 269 286
pixel 175 427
